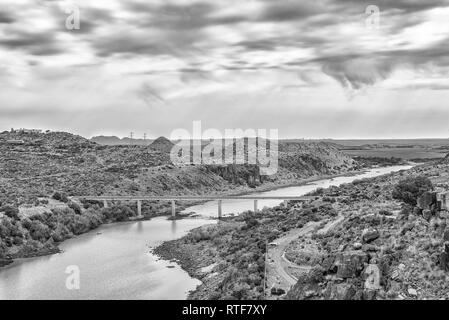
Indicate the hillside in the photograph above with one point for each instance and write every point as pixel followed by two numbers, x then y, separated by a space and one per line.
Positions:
pixel 58 161
pixel 379 238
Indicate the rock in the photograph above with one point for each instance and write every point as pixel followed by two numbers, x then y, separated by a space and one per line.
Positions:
pixel 443 261
pixel 446 235
pixel 369 294
pixel 372 281
pixel 309 293
pixel 370 248
pixel 395 289
pixel 350 264
pixel 426 214
pixel 340 291
pixel 357 246
pixel 370 234
pixel 412 292
pixel 407 227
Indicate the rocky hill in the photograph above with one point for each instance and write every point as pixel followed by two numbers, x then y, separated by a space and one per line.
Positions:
pixel 380 238
pixel 59 161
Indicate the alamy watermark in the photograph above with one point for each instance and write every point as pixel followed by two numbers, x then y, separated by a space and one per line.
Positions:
pixel 235 146
pixel 73 21
pixel 372 22
pixel 72 281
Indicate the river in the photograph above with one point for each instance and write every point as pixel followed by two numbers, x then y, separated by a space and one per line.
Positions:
pixel 114 261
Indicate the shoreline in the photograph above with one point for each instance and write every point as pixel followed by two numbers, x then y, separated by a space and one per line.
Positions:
pixel 300 182
pixel 175 251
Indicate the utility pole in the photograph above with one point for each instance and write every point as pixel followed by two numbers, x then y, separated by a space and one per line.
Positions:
pixel 131 134
pixel 265 272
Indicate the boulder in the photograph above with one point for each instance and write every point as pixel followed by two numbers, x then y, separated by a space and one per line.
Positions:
pixel 417 211
pixel 350 264
pixel 357 246
pixel 446 235
pixel 412 292
pixel 373 277
pixel 407 227
pixel 443 200
pixel 370 234
pixel 340 291
pixel 444 261
pixel 426 214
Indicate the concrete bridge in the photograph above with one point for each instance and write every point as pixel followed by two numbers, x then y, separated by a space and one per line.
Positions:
pixel 173 200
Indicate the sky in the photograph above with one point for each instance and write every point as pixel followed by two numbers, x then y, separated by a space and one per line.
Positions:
pixel 309 68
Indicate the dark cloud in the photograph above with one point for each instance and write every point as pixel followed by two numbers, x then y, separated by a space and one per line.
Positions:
pixel 6 17
pixel 35 43
pixel 356 73
pixel 279 11
pixel 130 44
pixel 189 75
pixel 356 70
pixel 398 6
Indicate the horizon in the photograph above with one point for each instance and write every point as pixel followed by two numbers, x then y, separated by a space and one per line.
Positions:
pixel 280 138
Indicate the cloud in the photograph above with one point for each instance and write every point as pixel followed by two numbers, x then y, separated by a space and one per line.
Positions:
pixel 6 18
pixel 356 72
pixel 149 95
pixel 34 43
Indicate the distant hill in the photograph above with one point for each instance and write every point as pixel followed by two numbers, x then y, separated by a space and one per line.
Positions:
pixel 162 144
pixel 116 141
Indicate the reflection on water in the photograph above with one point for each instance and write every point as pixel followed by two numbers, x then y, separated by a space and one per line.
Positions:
pixel 115 262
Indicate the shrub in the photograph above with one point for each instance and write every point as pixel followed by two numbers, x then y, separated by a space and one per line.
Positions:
pixel 117 213
pixel 60 196
pixel 10 211
pixel 409 189
pixel 75 207
pixel 39 231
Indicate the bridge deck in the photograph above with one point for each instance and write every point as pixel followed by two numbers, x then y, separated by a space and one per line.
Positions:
pixel 169 198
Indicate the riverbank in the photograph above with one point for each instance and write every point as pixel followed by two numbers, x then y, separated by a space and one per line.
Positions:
pixel 231 255
pixel 51 246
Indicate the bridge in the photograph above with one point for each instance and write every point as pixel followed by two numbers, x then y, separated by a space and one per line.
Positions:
pixel 173 200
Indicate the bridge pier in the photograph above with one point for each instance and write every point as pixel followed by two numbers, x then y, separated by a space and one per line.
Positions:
pixel 219 209
pixel 105 204
pixel 255 206
pixel 139 209
pixel 173 209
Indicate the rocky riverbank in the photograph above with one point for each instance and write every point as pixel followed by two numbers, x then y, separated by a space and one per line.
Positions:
pixel 379 248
